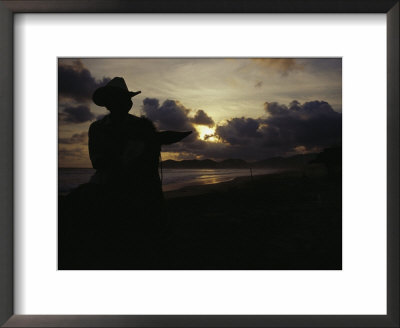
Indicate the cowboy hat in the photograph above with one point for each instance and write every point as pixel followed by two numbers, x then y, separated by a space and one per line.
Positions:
pixel 116 87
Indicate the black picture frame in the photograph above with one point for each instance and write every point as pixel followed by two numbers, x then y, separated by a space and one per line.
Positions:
pixel 10 7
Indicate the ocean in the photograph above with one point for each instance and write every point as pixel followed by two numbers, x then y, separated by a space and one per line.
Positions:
pixel 172 179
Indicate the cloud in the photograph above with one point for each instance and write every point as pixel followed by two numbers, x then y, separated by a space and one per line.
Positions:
pixel 258 84
pixel 312 124
pixel 283 130
pixel 239 131
pixel 75 88
pixel 76 114
pixel 322 66
pixel 76 82
pixel 282 65
pixel 70 152
pixel 73 156
pixel 171 115
pixel 201 118
pixel 76 138
pixel 295 128
pixel 100 116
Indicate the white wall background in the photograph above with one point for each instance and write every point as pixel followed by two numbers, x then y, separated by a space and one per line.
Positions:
pixel 360 288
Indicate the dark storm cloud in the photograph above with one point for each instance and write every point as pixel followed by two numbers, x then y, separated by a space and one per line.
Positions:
pixel 284 130
pixel 202 118
pixel 239 131
pixel 171 115
pixel 76 82
pixel 77 138
pixel 312 124
pixel 76 114
pixel 310 127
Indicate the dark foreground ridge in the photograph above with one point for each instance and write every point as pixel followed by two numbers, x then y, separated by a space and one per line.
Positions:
pixel 287 221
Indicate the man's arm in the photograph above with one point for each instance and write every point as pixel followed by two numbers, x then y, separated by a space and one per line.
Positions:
pixel 170 137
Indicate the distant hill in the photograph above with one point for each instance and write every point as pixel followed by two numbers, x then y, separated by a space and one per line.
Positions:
pixel 234 163
pixel 190 164
pixel 286 162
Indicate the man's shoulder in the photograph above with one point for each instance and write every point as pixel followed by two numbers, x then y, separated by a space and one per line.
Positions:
pixel 101 121
pixel 99 124
pixel 141 122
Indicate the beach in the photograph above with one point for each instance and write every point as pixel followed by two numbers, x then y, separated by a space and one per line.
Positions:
pixel 285 221
pixel 279 222
pixel 217 187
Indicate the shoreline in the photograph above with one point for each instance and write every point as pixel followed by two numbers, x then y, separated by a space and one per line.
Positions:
pixel 223 186
pixel 234 183
pixel 185 185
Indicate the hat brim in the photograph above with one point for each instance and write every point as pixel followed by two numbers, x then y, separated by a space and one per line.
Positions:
pixel 102 94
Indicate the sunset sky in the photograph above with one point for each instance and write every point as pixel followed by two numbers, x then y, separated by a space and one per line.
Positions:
pixel 252 108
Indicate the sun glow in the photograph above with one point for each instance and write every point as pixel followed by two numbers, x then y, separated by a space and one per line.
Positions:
pixel 206 133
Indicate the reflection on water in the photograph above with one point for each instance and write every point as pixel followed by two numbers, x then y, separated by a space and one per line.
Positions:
pixel 172 179
pixel 177 178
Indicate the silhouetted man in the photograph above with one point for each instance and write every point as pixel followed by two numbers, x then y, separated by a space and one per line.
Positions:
pixel 125 149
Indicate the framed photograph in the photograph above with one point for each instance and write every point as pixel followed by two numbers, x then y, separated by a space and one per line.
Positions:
pixel 133 182
pixel 212 165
